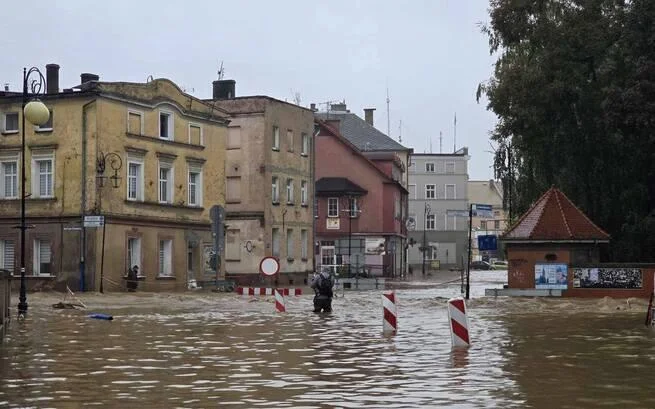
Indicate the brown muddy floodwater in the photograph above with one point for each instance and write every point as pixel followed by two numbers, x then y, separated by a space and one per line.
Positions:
pixel 210 350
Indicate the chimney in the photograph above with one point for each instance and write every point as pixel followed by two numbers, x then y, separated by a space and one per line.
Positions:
pixel 338 107
pixel 224 89
pixel 7 87
pixel 312 106
pixel 86 77
pixel 368 115
pixel 52 78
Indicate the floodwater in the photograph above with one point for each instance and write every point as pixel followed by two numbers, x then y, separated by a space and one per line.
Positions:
pixel 209 350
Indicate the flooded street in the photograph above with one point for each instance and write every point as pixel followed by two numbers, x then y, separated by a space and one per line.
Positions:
pixel 206 350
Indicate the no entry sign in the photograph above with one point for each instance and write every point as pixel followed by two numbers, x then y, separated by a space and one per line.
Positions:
pixel 269 266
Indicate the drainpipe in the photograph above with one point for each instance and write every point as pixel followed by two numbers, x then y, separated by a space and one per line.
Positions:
pixel 312 171
pixel 83 198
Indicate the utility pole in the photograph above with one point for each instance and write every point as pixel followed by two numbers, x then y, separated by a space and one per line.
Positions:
pixel 426 213
pixel 468 262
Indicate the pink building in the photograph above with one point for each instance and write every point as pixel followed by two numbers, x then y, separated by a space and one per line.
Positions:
pixel 360 207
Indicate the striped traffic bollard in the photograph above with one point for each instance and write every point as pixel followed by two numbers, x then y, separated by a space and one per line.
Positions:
pixel 459 326
pixel 279 301
pixel 389 321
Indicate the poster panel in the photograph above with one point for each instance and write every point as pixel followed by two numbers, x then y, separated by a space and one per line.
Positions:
pixel 626 278
pixel 551 276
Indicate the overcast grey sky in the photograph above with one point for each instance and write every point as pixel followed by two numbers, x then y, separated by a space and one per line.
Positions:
pixel 429 53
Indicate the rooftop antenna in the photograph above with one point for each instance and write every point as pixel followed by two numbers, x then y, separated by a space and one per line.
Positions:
pixel 455 138
pixel 430 143
pixel 388 118
pixel 400 131
pixel 296 97
pixel 221 71
pixel 440 142
pixel 150 78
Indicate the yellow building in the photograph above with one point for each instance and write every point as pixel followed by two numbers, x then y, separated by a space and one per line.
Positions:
pixel 487 192
pixel 163 155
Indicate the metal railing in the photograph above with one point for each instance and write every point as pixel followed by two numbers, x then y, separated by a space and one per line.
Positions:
pixel 5 298
pixel 356 270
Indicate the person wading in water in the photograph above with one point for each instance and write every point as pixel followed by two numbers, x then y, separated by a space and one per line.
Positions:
pixel 322 285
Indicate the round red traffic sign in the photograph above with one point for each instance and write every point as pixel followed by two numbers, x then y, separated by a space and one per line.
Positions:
pixel 269 266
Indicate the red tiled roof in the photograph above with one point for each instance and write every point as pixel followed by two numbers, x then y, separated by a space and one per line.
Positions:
pixel 555 217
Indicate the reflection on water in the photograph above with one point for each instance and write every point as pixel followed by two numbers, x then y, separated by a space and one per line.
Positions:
pixel 225 350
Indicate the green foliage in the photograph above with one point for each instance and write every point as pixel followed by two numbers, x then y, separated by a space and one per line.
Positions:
pixel 574 91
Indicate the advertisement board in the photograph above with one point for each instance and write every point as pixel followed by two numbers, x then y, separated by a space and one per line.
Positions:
pixel 551 276
pixel 629 278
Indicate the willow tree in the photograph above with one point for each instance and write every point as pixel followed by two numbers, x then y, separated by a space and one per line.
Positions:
pixel 574 91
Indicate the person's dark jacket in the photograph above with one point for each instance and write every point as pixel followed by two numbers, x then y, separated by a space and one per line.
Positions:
pixel 322 285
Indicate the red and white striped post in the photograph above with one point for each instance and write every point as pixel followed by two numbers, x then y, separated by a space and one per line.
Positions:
pixel 389 320
pixel 279 301
pixel 459 326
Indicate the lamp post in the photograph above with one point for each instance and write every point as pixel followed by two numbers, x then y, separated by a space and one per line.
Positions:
pixel 116 163
pixel 36 113
pixel 426 212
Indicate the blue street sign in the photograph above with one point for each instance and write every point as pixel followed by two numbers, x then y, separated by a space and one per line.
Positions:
pixel 487 242
pixel 482 210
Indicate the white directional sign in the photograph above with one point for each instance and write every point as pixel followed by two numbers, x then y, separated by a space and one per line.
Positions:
pixel 94 221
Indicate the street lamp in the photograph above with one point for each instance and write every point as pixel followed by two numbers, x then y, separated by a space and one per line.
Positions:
pixel 426 212
pixel 36 113
pixel 116 163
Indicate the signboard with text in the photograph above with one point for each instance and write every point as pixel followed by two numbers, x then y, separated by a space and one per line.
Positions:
pixel 94 221
pixel 487 242
pixel 482 210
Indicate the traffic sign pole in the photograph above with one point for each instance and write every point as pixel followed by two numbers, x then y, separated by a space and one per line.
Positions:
pixel 468 264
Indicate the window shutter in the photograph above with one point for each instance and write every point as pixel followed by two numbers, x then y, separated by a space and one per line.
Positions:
pixel 44 252
pixel 8 254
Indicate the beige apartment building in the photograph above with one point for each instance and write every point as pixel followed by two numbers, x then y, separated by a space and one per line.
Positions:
pixel 269 187
pixel 147 157
pixel 487 192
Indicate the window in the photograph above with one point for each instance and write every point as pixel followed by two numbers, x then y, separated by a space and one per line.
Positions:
pixel 303 193
pixel 195 134
pixel 135 178
pixel 165 258
pixel 275 190
pixel 496 224
pixel 450 167
pixel 9 177
pixel 7 254
pixel 135 122
pixel 433 252
pixel 290 141
pixel 290 244
pixel 353 208
pixel 304 149
pixel 233 137
pixel 232 245
pixel 276 242
pixel 430 192
pixel 134 254
pixel 11 122
pixel 412 191
pixel 450 192
pixel 233 189
pixel 42 174
pixel 289 191
pixel 42 257
pixel 48 125
pixel 396 206
pixel 303 244
pixel 430 222
pixel 429 167
pixel 165 125
pixel 451 222
pixel 195 186
pixel 276 138
pixel 483 225
pixel 165 182
pixel 333 207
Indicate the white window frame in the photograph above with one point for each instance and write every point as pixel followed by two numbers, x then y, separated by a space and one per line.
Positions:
pixel 433 189
pixel 445 168
pixel 134 255
pixel 289 191
pixel 7 262
pixel 304 144
pixel 44 128
pixel 303 192
pixel 171 124
pixel 9 159
pixel 199 126
pixel 415 189
pixel 170 182
pixel 303 244
pixel 141 116
pixel 433 254
pixel 290 254
pixel 199 185
pixel 454 186
pixel 335 201
pixel 4 123
pixel 429 167
pixel 431 219
pixel 140 184
pixel 275 190
pixel 36 259
pixel 454 226
pixel 276 138
pixel 165 266
pixel 36 174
